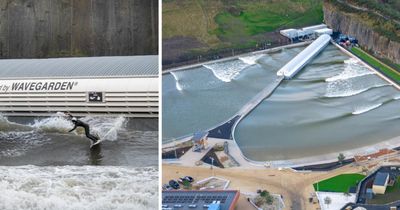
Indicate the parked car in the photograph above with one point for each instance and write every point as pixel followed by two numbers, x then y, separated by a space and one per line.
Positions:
pixel 174 184
pixel 189 178
pixel 166 187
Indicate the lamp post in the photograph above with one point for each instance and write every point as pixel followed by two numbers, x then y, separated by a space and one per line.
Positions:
pixel 212 164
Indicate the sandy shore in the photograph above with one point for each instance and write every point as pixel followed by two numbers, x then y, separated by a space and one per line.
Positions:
pixel 293 186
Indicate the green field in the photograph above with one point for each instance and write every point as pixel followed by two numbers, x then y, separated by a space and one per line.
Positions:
pixel 340 183
pixel 236 23
pixel 249 18
pixel 377 64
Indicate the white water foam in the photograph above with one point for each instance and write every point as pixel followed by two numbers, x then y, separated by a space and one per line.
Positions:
pixel 334 92
pixel 397 97
pixel 177 84
pixel 352 69
pixel 366 108
pixel 252 59
pixel 78 187
pixel 226 71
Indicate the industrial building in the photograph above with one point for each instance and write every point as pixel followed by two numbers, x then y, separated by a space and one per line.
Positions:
pixel 196 200
pixel 119 85
pixel 310 32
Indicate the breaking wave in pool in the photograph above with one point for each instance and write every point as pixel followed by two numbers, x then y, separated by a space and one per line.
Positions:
pixel 366 108
pixel 227 71
pixel 352 69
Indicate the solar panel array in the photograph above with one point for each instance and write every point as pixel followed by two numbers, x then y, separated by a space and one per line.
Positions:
pixel 199 198
pixel 191 199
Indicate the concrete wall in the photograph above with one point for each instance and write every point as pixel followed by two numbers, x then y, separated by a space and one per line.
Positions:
pixel 54 28
pixel 379 189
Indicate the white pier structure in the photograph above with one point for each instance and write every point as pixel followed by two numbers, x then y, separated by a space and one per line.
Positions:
pixel 297 63
pixel 118 85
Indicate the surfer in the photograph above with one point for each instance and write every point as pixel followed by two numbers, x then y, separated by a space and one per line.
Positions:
pixel 78 123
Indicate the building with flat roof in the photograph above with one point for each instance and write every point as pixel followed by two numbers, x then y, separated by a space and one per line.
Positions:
pixel 380 183
pixel 306 32
pixel 117 85
pixel 196 200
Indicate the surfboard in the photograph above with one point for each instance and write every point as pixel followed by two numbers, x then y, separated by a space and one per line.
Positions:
pixel 96 143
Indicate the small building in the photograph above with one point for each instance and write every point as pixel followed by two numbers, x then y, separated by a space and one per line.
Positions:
pixel 309 32
pixel 328 31
pixel 200 141
pixel 200 200
pixel 380 183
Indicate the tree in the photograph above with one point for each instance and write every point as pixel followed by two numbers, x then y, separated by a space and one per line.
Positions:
pixel 341 158
pixel 327 201
pixel 264 193
pixel 186 184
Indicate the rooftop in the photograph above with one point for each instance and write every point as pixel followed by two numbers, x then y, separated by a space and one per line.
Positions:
pixel 197 199
pixel 380 178
pixel 80 67
pixel 199 135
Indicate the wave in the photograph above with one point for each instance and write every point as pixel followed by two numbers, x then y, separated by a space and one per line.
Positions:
pixel 19 142
pixel 177 84
pixel 351 92
pixel 227 71
pixel 367 108
pixel 397 97
pixel 78 187
pixel 352 69
pixel 251 60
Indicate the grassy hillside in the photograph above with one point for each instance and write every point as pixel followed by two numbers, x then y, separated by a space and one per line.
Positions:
pixel 201 26
pixel 245 19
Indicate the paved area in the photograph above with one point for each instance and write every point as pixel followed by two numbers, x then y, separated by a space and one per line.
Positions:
pixel 295 187
pixel 338 200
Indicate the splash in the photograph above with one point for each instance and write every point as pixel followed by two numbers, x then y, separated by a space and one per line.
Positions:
pixel 177 83
pixel 227 71
pixel 251 60
pixel 54 124
pixel 352 69
pixel 367 108
pixel 78 187
pixel 106 128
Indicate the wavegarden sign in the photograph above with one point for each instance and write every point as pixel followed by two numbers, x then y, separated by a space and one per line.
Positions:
pixel 39 86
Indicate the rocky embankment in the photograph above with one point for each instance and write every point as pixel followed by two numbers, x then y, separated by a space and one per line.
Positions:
pixel 354 25
pixel 48 28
